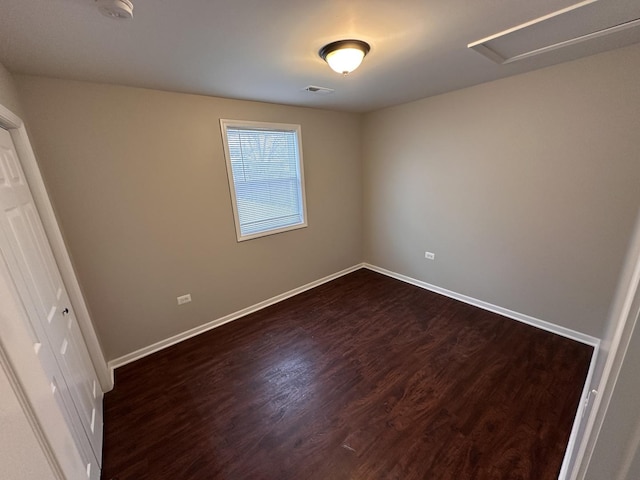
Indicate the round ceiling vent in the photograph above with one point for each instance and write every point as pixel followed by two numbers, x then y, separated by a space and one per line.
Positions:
pixel 116 8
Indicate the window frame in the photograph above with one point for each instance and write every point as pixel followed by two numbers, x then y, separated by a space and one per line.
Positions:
pixel 270 127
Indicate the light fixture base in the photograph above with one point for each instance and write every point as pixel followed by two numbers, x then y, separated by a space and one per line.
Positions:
pixel 344 56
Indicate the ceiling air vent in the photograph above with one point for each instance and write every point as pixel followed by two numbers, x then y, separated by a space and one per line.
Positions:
pixel 587 20
pixel 318 90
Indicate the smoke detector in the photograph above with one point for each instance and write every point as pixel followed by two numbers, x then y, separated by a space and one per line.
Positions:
pixel 118 9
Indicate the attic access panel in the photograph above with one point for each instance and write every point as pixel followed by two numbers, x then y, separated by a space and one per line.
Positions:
pixel 587 20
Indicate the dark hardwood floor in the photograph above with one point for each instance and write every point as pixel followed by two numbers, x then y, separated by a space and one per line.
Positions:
pixel 362 378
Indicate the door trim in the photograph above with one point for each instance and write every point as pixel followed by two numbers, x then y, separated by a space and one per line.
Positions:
pixel 18 132
pixel 622 321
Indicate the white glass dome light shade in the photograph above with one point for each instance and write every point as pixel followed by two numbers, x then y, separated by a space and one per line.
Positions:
pixel 345 60
pixel 344 56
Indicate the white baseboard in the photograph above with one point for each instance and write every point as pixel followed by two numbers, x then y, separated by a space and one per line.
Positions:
pixel 547 326
pixel 535 322
pixel 162 344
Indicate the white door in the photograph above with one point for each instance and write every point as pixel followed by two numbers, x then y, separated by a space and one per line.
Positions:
pixel 57 339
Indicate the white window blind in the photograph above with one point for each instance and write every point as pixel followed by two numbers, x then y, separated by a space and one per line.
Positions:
pixel 264 165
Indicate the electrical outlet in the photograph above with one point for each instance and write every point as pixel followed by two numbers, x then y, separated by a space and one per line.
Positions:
pixel 429 255
pixel 182 299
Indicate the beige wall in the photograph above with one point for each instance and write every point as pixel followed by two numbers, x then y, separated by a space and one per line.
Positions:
pixel 8 92
pixel 139 181
pixel 525 188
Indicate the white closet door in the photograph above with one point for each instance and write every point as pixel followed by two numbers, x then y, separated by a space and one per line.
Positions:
pixel 57 339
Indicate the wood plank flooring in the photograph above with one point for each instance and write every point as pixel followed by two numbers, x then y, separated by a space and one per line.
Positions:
pixel 362 378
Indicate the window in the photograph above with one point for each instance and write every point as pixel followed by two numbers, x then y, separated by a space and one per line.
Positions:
pixel 264 165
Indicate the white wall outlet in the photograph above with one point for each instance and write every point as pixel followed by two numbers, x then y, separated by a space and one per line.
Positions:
pixel 429 255
pixel 182 299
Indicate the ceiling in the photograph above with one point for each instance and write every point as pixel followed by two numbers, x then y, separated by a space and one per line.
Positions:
pixel 267 49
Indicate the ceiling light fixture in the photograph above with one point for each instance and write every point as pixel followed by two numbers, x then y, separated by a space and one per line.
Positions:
pixel 118 9
pixel 344 56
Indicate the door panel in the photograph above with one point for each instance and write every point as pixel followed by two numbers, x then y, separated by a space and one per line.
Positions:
pixel 58 341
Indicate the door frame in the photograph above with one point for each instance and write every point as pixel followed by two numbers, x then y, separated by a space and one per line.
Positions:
pixel 613 348
pixel 26 156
